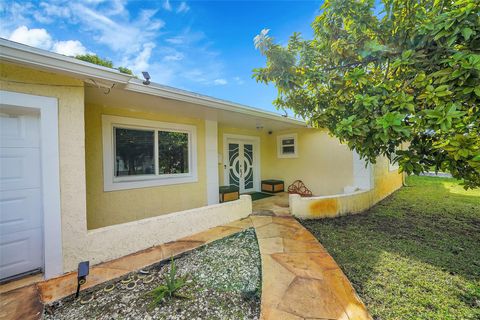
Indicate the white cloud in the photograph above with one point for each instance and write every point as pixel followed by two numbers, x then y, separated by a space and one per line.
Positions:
pixel 140 62
pixel 177 56
pixel 176 40
pixel 53 10
pixel 38 38
pixel 69 48
pixel 238 80
pixel 131 39
pixel 14 14
pixel 183 7
pixel 166 5
pixel 122 36
pixel 220 82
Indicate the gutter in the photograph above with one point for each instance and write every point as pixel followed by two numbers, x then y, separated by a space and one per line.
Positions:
pixel 19 53
pixel 167 92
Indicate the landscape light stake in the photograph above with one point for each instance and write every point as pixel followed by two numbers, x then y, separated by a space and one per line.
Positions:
pixel 83 270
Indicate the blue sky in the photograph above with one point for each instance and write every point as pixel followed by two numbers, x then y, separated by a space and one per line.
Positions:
pixel 201 46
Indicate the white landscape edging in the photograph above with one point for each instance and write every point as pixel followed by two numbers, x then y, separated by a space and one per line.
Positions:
pixel 115 241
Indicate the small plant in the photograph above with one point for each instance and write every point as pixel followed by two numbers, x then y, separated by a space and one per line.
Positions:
pixel 170 288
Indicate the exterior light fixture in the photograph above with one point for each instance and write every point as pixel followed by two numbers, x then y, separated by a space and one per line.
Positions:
pixel 83 270
pixel 147 78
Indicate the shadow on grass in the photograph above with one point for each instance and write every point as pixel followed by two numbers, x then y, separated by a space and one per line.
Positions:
pixel 421 240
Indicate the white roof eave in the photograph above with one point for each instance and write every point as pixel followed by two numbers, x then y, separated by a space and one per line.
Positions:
pixel 19 53
pixel 154 89
pixel 42 59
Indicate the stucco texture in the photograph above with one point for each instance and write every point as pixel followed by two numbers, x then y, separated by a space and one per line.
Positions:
pixel 385 183
pixel 70 95
pixel 323 163
pixel 115 207
pixel 78 243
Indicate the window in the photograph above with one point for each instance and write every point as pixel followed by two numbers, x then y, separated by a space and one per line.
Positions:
pixel 143 153
pixel 134 152
pixel 287 146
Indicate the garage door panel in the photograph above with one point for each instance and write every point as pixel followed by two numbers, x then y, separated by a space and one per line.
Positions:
pixel 21 214
pixel 19 168
pixel 19 252
pixel 19 131
pixel 20 210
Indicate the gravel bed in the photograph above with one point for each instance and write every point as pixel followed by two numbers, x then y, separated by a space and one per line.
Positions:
pixel 224 283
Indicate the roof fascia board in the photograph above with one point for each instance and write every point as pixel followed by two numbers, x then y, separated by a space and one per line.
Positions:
pixel 15 52
pixel 180 95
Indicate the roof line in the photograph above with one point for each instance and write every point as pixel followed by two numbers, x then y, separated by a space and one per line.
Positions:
pixel 20 53
pixel 192 97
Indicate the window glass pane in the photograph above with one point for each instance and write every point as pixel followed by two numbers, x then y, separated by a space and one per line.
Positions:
pixel 134 152
pixel 288 150
pixel 172 152
pixel 288 142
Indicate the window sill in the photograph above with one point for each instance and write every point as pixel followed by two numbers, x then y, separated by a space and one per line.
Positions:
pixel 138 184
pixel 287 156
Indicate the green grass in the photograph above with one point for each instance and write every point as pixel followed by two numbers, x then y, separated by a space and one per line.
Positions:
pixel 416 254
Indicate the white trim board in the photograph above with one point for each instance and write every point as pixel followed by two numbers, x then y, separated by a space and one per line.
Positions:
pixel 281 137
pixel 112 183
pixel 49 153
pixel 256 154
pixel 211 161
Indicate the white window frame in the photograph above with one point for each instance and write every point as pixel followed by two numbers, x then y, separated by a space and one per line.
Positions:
pixel 282 137
pixel 113 183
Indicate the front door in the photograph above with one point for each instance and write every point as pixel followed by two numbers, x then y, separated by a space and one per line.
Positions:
pixel 240 166
pixel 21 226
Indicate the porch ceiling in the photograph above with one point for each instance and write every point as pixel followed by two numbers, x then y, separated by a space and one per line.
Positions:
pixel 138 98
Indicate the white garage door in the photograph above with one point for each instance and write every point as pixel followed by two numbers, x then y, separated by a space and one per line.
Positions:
pixel 21 245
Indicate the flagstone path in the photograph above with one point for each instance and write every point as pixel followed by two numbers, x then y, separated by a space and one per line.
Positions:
pixel 300 280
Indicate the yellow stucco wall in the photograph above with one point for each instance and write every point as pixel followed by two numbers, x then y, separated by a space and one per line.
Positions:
pixel 78 243
pixel 70 95
pixel 114 207
pixel 385 183
pixel 323 164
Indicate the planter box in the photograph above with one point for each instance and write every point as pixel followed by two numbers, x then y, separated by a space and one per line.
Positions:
pixel 273 186
pixel 229 193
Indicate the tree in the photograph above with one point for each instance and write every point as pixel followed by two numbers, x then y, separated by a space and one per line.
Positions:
pixel 93 58
pixel 407 76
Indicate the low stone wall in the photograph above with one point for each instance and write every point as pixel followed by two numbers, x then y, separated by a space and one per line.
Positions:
pixel 330 206
pixel 115 241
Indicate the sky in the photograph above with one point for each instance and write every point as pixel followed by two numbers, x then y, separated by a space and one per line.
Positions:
pixel 200 46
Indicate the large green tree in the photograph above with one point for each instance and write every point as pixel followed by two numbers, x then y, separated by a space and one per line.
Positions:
pixel 406 76
pixel 93 58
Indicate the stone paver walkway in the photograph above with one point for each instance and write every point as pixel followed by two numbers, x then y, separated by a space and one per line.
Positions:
pixel 26 303
pixel 274 206
pixel 300 280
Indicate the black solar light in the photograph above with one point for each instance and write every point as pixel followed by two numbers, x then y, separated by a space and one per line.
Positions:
pixel 83 269
pixel 147 77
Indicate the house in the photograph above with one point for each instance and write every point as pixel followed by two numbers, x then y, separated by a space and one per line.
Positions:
pixel 95 164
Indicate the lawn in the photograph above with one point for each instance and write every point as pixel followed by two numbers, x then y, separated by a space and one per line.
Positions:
pixel 415 255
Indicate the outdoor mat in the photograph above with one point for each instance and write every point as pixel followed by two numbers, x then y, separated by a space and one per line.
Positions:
pixel 259 195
